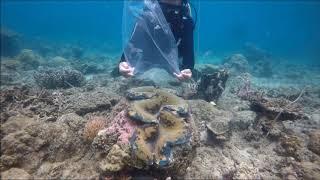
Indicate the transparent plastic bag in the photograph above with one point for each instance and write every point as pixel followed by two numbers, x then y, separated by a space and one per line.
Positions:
pixel 148 41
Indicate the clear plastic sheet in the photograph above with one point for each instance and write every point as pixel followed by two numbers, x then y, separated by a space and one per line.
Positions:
pixel 147 38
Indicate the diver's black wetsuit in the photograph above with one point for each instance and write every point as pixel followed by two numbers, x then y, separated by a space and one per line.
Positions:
pixel 182 27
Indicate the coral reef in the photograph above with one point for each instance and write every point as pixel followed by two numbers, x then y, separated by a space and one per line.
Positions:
pixel 214 123
pixel 164 119
pixel 205 69
pixel 115 160
pixel 155 131
pixel 58 61
pixel 12 99
pixel 9 64
pixel 314 142
pixel 189 90
pixel 211 86
pixel 276 108
pixel 308 170
pixel 236 64
pixel 59 78
pixel 88 102
pixel 289 146
pixel 104 140
pixel 93 126
pixel 29 59
pixel 122 126
pixel 32 142
pixel 218 129
pixel 255 123
pixel 15 173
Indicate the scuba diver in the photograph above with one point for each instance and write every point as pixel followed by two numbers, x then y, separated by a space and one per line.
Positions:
pixel 177 14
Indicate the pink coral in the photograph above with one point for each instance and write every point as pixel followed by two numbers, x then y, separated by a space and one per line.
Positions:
pixel 123 126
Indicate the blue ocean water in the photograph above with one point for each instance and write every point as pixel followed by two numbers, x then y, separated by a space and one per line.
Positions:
pixel 287 29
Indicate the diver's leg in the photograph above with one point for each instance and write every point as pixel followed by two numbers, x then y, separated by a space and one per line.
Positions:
pixel 186 47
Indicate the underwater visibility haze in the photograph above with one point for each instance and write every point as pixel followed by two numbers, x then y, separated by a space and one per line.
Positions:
pixel 251 109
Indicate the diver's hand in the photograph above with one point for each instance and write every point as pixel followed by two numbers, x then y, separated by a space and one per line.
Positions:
pixel 184 74
pixel 125 69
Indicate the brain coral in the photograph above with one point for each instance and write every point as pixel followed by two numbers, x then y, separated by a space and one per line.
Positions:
pixel 163 120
